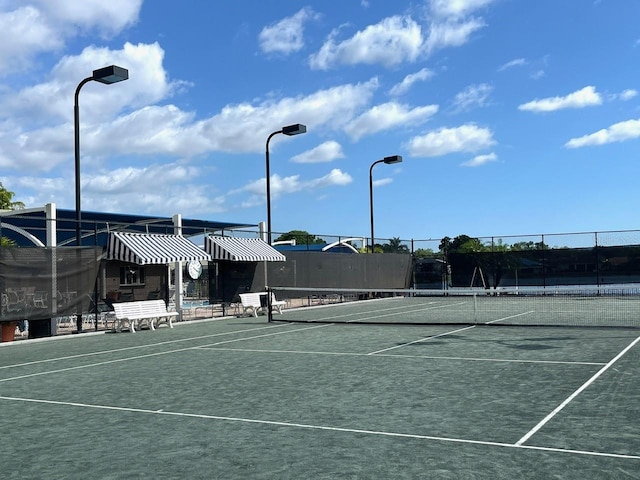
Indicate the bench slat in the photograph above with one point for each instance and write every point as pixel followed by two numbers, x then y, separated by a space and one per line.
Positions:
pixel 251 303
pixel 145 310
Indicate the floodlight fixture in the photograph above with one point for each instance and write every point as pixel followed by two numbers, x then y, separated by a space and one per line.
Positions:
pixel 111 74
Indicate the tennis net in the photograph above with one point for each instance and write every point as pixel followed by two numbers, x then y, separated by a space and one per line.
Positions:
pixel 558 306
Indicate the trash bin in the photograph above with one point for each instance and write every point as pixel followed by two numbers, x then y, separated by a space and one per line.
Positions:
pixel 8 331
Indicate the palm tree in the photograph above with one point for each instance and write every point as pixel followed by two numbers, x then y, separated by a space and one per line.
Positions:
pixel 7 203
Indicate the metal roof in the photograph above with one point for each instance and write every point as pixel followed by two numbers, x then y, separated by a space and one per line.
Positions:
pixel 241 249
pixel 19 225
pixel 152 248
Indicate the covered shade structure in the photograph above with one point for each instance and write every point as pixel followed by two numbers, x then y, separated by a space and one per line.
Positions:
pixel 241 249
pixel 152 249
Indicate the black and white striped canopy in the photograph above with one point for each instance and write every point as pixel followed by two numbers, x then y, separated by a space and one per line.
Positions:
pixel 241 249
pixel 149 248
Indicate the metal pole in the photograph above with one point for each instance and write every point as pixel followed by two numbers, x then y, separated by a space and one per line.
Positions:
pixel 371 199
pixel 269 187
pixel 76 129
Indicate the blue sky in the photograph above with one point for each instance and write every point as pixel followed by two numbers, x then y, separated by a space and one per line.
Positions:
pixel 512 116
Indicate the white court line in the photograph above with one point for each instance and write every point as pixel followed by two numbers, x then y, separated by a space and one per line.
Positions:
pixel 510 316
pixel 115 350
pixel 576 393
pixel 321 427
pixel 204 347
pixel 426 357
pixel 368 316
pixel 421 340
pixel 137 357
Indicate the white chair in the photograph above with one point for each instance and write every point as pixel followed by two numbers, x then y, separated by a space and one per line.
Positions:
pixel 40 299
pixel 277 304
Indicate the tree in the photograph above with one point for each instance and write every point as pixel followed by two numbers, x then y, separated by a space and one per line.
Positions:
pixel 424 253
pixel 7 203
pixel 395 246
pixel 445 244
pixel 462 244
pixel 6 200
pixel 519 246
pixel 301 237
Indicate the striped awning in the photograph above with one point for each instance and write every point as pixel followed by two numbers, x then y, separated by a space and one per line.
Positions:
pixel 149 248
pixel 241 249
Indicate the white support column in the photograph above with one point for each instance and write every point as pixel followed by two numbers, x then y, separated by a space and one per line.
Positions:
pixel 263 231
pixel 51 213
pixel 263 236
pixel 177 229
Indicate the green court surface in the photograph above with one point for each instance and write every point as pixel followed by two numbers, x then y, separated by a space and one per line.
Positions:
pixel 242 399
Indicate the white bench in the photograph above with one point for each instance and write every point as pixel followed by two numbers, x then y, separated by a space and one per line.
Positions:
pixel 277 304
pixel 135 313
pixel 251 303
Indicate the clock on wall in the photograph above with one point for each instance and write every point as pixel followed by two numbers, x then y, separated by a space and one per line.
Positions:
pixel 194 269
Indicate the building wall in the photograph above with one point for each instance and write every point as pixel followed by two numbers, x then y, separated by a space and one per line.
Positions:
pixel 155 280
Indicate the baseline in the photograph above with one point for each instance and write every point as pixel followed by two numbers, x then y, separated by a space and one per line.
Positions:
pixel 320 427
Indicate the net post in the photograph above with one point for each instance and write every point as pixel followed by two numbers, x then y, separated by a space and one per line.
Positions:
pixel 269 304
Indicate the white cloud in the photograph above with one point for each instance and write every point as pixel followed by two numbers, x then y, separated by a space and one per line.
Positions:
pixel 585 97
pixel 399 39
pixel 108 18
pixel 619 132
pixel 456 8
pixel 407 82
pixel 538 74
pixel 335 177
pixel 387 116
pixel 150 130
pixel 628 94
pixel 292 184
pixel 382 182
pixel 147 84
pixel 45 26
pixel 472 96
pixel 392 41
pixel 518 62
pixel 325 152
pixel 24 32
pixel 452 24
pixel 480 160
pixel 287 35
pixel 119 189
pixel 465 138
pixel 332 109
pixel 451 33
pixel 38 120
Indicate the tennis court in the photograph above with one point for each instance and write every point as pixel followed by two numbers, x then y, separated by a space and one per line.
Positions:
pixel 243 398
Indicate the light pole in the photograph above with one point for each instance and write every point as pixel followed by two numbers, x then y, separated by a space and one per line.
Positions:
pixel 106 75
pixel 387 160
pixel 289 130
